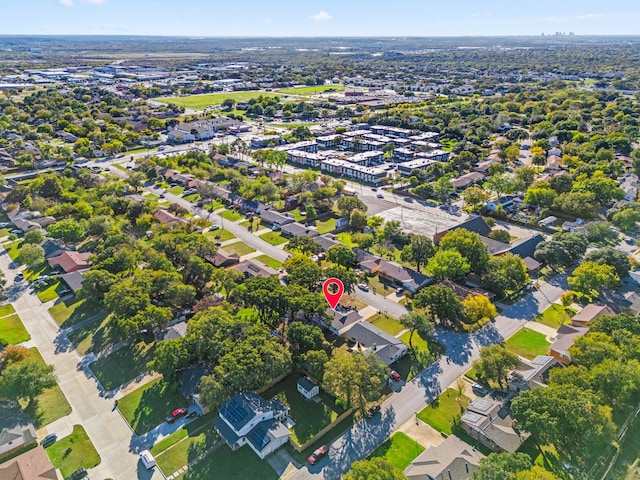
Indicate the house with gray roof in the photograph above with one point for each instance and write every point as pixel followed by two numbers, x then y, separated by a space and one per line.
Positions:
pixel 342 319
pixel 369 338
pixel 295 228
pixel 453 459
pixel 248 419
pixel 532 374
pixel 16 429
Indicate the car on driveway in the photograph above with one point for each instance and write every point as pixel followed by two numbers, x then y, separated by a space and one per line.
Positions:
pixel 479 390
pixel 214 227
pixel 363 287
pixel 318 454
pixel 394 375
pixel 372 410
pixel 176 414
pixel 19 277
pixel 49 440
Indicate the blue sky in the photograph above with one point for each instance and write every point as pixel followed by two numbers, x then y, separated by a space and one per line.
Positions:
pixel 319 17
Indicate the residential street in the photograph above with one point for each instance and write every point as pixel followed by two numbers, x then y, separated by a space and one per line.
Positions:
pixel 105 427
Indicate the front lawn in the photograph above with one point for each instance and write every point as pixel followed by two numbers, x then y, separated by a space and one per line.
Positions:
pixel 326 226
pixel 147 406
pixel 240 248
pixel 13 249
pixel 441 413
pixel 186 450
pixel 220 235
pixel 310 417
pixel 345 237
pixel 231 215
pixel 95 337
pixel 555 316
pixel 274 238
pixel 176 190
pixel 190 429
pixel 12 330
pixel 50 405
pixel 6 310
pixel 387 323
pixel 223 464
pixel 399 449
pixel 527 343
pixel 381 287
pixel 50 292
pixel 123 365
pixel 270 262
pixel 72 311
pixel 73 452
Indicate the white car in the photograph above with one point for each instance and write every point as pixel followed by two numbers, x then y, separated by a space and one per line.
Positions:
pixel 214 227
pixel 363 287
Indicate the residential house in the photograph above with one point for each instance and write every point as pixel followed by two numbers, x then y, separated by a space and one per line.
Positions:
pixel 74 279
pixel 52 247
pixel 369 338
pixel 327 240
pixel 507 203
pixel 453 459
pixel 273 218
pixel 532 373
pixel 292 229
pixel 70 261
pixel 33 464
pixel 6 160
pixel 476 224
pixel 463 291
pixel 554 162
pixel 248 419
pixel 629 183
pixel 307 388
pixel 222 258
pixel 565 337
pixel 173 332
pixel 468 179
pixel 589 313
pixel 166 217
pixel 342 319
pixel 254 268
pixel 16 428
pixel 26 225
pixel 400 276
pixel 490 422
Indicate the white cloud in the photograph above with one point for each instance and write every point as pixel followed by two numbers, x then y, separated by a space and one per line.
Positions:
pixel 589 16
pixel 66 3
pixel 69 3
pixel 95 2
pixel 321 16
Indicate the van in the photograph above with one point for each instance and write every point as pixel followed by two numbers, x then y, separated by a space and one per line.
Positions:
pixel 147 459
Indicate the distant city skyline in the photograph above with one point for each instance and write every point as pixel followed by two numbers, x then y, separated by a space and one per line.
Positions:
pixel 318 18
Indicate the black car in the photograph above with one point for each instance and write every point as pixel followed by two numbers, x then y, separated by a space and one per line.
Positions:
pixel 80 474
pixel 373 410
pixel 49 440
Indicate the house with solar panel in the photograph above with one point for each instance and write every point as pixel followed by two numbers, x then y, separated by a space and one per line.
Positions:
pixel 248 419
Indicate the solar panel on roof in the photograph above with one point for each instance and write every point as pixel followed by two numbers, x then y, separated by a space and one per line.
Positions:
pixel 472 417
pixel 482 404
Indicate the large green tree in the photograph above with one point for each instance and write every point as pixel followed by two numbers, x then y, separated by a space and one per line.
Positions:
pixel 495 363
pixel 418 251
pixel 447 264
pixel 470 246
pixel 442 302
pixel 377 468
pixel 26 380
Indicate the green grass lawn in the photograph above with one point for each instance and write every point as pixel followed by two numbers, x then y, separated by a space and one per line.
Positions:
pixel 31 274
pixel 176 190
pixel 5 231
pixel 72 311
pixel 387 323
pixel 231 215
pixel 13 248
pixel 50 292
pixel 6 310
pixel 310 417
pixel 274 238
pixel 315 89
pixel 399 449
pixel 326 226
pixel 345 237
pixel 212 206
pixel 50 405
pixel 527 343
pixel 223 464
pixel 73 452
pixel 441 412
pixel 199 102
pixel 381 287
pixel 12 330
pixel 193 198
pixel 147 406
pixel 95 337
pixel 240 248
pixel 191 429
pixel 123 365
pixel 270 262
pixel 220 235
pixel 186 450
pixel 555 315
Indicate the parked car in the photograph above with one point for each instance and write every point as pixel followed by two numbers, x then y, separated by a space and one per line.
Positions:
pixel 176 414
pixel 49 440
pixel 394 375
pixel 16 231
pixel 374 189
pixel 162 195
pixel 214 227
pixel 63 292
pixel 399 291
pixel 5 224
pixel 19 277
pixel 363 287
pixel 318 454
pixel 80 474
pixel 479 390
pixel 372 410
pixel 380 195
pixel 147 459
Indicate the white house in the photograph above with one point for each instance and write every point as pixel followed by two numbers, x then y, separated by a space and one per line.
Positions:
pixel 308 388
pixel 248 419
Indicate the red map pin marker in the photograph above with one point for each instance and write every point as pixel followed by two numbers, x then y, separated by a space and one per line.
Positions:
pixel 333 298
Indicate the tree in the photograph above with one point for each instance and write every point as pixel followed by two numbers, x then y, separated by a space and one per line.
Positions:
pixel 470 246
pixel 11 354
pixel 357 219
pixel 626 219
pixel 502 466
pixel 562 251
pixel 475 197
pixel 31 255
pixel 304 244
pixel 377 468
pixel 304 338
pixel 419 250
pixel 599 232
pixel 168 357
pixel 479 307
pixel 417 321
pixel 540 197
pixel 611 256
pixel 34 236
pixel 95 284
pixel 314 361
pixel 363 240
pixel 303 271
pixel 495 363
pixel 310 212
pixel 500 235
pixel 355 377
pixel 506 275
pixel 442 302
pixel 566 416
pixel 342 255
pixel 442 188
pixel 26 380
pixel 68 230
pixel 347 204
pixel 578 204
pixel 346 275
pixel 590 277
pixel 126 299
pixel 447 264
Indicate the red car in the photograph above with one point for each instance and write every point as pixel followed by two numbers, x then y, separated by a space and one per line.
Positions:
pixel 176 414
pixel 318 454
pixel 394 375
